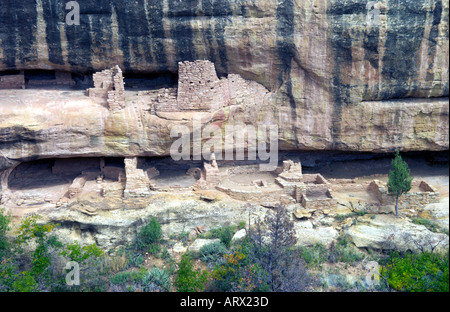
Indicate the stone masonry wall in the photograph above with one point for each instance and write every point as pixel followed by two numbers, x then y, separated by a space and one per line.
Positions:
pixel 196 86
pixel 408 200
pixel 109 86
pixel 137 182
pixel 12 81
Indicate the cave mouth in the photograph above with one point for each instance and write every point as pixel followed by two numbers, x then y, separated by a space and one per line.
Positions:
pixel 52 79
pixel 48 173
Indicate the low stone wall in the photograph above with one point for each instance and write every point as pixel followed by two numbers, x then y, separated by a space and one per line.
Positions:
pixel 309 199
pixel 353 187
pixel 243 169
pixel 12 82
pixel 77 186
pixel 137 182
pixel 318 203
pixel 74 165
pixel 262 197
pixel 427 195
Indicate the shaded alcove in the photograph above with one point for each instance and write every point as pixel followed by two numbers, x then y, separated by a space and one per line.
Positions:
pixel 46 173
pixel 171 173
pixel 150 81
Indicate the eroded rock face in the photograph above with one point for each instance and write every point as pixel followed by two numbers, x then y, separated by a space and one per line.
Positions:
pixel 333 76
pixel 386 232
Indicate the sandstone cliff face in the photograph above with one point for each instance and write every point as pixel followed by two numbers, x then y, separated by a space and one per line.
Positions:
pixel 336 81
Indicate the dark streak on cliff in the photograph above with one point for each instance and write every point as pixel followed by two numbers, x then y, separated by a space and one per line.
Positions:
pixel 155 16
pixel 286 46
pixel 79 37
pixel 434 32
pixel 222 11
pixel 341 44
pixel 53 14
pixel 401 56
pixel 180 14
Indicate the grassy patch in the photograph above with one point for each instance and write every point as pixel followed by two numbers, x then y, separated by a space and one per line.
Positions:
pixel 224 233
pixel 430 225
pixel 314 255
pixel 351 215
pixel 344 251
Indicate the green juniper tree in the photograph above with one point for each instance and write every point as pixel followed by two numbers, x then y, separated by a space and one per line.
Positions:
pixel 399 179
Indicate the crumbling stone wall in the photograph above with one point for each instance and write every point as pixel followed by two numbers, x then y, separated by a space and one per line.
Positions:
pixel 197 84
pixel 165 100
pixel 77 186
pixel 427 195
pixel 12 81
pixel 109 86
pixel 137 181
pixel 199 89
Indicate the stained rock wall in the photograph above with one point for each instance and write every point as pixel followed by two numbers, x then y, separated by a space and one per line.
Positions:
pixel 337 81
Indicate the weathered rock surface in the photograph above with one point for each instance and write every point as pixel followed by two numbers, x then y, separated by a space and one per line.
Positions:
pixel 308 236
pixel 389 232
pixel 338 82
pixel 239 235
pixel 112 228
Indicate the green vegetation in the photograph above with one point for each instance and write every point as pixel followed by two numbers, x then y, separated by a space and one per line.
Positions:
pixel 425 272
pixel 32 261
pixel 314 255
pixel 224 233
pixel 187 278
pixel 5 219
pixel 359 213
pixel 213 252
pixel 267 259
pixel 149 238
pixel 430 225
pixel 399 179
pixel 125 277
pixel 344 251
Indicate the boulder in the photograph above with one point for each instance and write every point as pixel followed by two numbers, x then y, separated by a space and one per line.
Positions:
pixel 200 242
pixel 387 232
pixel 308 236
pixel 239 235
pixel 303 213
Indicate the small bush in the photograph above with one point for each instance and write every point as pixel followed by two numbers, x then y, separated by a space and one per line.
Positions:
pixel 156 279
pixel 314 255
pixel 125 277
pixel 187 278
pixel 344 251
pixel 149 237
pixel 213 252
pixel 359 213
pixel 225 234
pixel 426 272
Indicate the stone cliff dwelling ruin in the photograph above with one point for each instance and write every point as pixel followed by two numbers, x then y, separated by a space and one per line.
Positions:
pixel 199 89
pixel 60 181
